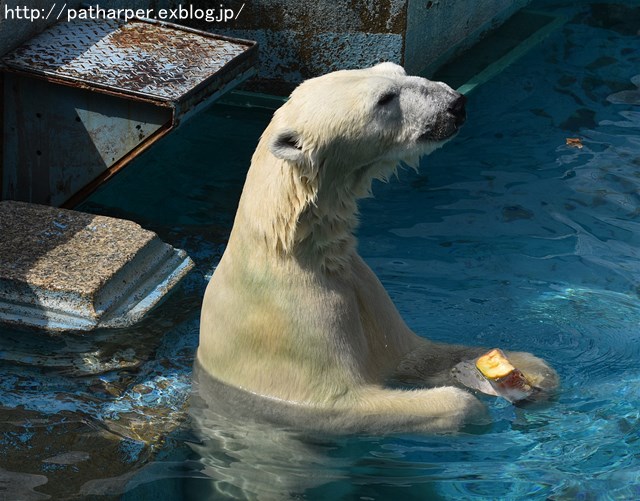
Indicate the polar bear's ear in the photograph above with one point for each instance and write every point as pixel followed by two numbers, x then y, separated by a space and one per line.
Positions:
pixel 286 146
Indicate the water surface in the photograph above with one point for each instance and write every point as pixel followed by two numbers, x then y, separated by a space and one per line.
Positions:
pixel 506 237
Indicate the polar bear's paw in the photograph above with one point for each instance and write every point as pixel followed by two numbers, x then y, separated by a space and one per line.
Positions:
pixel 457 407
pixel 441 409
pixel 536 370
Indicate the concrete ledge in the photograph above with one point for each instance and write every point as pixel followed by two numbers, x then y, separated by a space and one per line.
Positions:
pixel 67 270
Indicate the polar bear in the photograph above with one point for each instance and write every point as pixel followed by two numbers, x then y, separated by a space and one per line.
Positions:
pixel 293 318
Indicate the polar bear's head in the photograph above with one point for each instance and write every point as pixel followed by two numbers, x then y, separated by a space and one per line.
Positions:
pixel 364 122
pixel 327 143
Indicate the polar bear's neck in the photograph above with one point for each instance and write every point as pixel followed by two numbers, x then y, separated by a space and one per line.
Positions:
pixel 297 218
pixel 324 231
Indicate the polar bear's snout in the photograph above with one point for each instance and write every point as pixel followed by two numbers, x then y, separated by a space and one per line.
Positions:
pixel 445 114
pixel 457 109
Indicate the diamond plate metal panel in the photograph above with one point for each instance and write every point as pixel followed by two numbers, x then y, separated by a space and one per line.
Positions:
pixel 155 60
pixel 85 97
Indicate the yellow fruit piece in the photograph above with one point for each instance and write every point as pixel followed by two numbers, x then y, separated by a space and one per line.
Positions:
pixel 494 365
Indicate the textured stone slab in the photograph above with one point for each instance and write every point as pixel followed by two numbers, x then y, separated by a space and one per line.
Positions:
pixel 67 270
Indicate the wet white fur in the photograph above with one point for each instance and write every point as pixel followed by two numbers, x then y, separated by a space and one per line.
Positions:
pixel 292 313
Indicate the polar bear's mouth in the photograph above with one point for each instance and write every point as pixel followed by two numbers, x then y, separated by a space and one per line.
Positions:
pixel 448 122
pixel 440 134
pixel 458 110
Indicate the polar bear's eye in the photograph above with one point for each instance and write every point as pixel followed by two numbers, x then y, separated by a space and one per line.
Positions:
pixel 386 98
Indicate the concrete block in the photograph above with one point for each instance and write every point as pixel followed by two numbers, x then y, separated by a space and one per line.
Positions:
pixel 67 270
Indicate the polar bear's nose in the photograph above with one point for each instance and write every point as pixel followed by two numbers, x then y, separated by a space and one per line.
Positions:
pixel 457 109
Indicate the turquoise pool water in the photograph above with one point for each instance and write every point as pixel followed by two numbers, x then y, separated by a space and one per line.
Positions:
pixel 506 237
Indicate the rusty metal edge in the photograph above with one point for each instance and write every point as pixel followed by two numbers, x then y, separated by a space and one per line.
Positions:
pixel 171 125
pixel 202 93
pixel 248 58
pixel 250 53
pixel 208 34
pixel 76 84
pixel 90 187
pixel 183 115
pixel 243 63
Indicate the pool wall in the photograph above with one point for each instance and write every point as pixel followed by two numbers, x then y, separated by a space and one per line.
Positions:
pixel 302 40
pixel 297 40
pixel 437 31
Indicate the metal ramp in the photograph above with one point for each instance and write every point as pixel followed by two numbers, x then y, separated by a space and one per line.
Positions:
pixel 83 98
